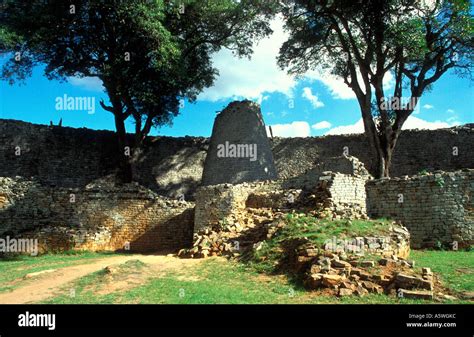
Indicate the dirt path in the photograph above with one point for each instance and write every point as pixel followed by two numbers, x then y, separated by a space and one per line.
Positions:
pixel 48 285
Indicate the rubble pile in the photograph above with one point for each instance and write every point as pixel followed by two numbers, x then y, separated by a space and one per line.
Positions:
pixel 231 238
pixel 345 275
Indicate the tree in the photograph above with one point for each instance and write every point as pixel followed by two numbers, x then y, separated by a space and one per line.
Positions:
pixel 150 55
pixel 362 41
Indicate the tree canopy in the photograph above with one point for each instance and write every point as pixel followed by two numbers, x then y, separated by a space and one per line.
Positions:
pixel 150 55
pixel 362 41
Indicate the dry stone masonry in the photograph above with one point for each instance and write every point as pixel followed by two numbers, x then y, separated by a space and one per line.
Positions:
pixel 239 149
pixel 68 157
pixel 99 217
pixel 437 208
pixel 327 193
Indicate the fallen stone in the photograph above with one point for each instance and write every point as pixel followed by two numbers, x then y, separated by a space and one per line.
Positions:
pixel 361 291
pixel 331 280
pixel 340 264
pixel 314 281
pixel 365 276
pixel 426 271
pixel 311 252
pixel 348 285
pixel 416 294
pixel 111 270
pixel 372 287
pixel 407 281
pixel 367 264
pixel 315 269
pixel 387 262
pixel 449 297
pixel 345 292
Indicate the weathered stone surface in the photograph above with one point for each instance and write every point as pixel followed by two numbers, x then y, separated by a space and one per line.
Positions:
pixel 416 294
pixel 361 291
pixel 408 281
pixel 314 281
pixel 372 287
pixel 331 280
pixel 434 207
pixel 345 292
pixel 468 295
pixel 241 125
pixel 340 264
pixel 171 166
pixel 98 217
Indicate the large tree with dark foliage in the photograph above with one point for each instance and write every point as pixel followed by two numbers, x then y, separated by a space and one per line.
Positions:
pixel 149 54
pixel 362 41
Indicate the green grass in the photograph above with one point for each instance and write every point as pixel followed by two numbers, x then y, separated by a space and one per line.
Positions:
pixel 319 230
pixel 301 228
pixel 456 268
pixel 16 267
pixel 218 281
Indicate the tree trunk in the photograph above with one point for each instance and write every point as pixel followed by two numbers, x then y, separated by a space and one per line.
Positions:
pixel 373 138
pixel 385 161
pixel 388 149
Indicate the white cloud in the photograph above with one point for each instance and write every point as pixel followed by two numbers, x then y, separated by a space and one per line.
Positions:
pixel 411 123
pixel 453 120
pixel 314 99
pixel 87 83
pixel 428 106
pixel 250 78
pixel 450 111
pixel 357 127
pixel 262 98
pixel 294 129
pixel 321 125
pixel 418 123
pixel 336 85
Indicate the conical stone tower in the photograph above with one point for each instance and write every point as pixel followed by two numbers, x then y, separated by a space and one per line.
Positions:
pixel 239 150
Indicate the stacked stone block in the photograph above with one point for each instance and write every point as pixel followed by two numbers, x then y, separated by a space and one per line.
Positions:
pixel 97 217
pixel 438 209
pixel 68 157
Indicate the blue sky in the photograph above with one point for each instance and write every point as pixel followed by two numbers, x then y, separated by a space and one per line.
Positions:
pixel 313 105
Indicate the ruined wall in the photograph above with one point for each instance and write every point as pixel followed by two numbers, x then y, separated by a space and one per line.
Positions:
pixel 435 208
pixel 219 203
pixel 97 217
pixel 342 195
pixel 70 157
pixel 334 195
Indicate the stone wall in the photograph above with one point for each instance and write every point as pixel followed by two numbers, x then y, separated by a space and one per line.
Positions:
pixel 334 195
pixel 416 150
pixel 219 203
pixel 341 195
pixel 436 208
pixel 69 157
pixel 96 217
